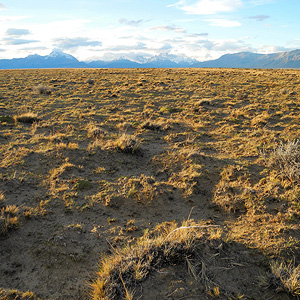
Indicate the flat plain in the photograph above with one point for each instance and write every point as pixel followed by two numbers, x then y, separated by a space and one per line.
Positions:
pixel 149 184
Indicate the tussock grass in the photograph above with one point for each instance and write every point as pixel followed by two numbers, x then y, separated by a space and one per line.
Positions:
pixel 283 277
pixel 6 294
pixel 124 143
pixel 168 244
pixel 43 89
pixel 28 117
pixel 152 125
pixel 90 81
pixel 8 219
pixel 96 132
pixel 286 160
pixel 142 189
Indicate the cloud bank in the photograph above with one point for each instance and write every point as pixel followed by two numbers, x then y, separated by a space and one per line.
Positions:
pixel 71 43
pixel 17 32
pixel 259 17
pixel 208 7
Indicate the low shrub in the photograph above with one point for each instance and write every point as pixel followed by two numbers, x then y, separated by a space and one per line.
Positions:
pixel 286 160
pixel 43 89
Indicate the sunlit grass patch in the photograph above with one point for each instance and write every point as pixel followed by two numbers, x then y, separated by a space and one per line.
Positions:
pixel 120 273
pixel 283 277
pixel 28 117
pixel 7 294
pixel 286 160
pixel 9 219
pixel 124 143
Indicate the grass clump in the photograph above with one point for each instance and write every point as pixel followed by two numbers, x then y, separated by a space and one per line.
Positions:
pixel 43 89
pixel 153 125
pixel 283 277
pixel 82 184
pixel 28 117
pixel 168 244
pixel 125 143
pixel 8 219
pixel 16 295
pixel 142 189
pixel 170 110
pixel 90 81
pixel 286 160
pixel 96 132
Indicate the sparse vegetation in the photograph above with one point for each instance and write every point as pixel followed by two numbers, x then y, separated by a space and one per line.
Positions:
pixel 101 168
pixel 119 274
pixel 16 295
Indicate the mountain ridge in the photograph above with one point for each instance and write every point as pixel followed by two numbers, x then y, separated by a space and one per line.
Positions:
pixel 59 59
pixel 279 60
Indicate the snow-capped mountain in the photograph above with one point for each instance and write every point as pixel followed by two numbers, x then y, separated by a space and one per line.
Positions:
pixel 56 59
pixel 59 59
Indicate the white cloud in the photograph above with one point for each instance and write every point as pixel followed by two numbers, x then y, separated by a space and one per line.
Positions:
pixel 169 28
pixel 131 22
pixel 259 17
pixel 208 7
pixel 260 2
pixel 73 43
pixel 268 49
pixel 17 32
pixel 223 22
pixel 231 46
pixel 2 7
pixel 17 41
pixel 5 19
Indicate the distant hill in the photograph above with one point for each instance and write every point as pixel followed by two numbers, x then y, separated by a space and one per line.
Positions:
pixel 59 59
pixel 253 60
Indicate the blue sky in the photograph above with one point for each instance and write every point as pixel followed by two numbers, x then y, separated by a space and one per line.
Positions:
pixel 135 29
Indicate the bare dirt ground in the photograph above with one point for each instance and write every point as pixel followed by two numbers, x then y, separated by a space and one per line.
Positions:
pixel 87 166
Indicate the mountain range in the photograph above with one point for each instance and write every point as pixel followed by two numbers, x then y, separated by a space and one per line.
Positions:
pixel 253 60
pixel 59 59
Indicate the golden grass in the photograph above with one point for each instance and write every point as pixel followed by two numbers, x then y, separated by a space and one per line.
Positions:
pixel 27 117
pixel 124 143
pixel 16 295
pixel 98 145
pixel 119 274
pixel 283 277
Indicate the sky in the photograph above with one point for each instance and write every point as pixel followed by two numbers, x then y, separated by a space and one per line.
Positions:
pixel 141 29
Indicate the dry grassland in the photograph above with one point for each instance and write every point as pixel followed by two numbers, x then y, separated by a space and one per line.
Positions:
pixel 149 184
